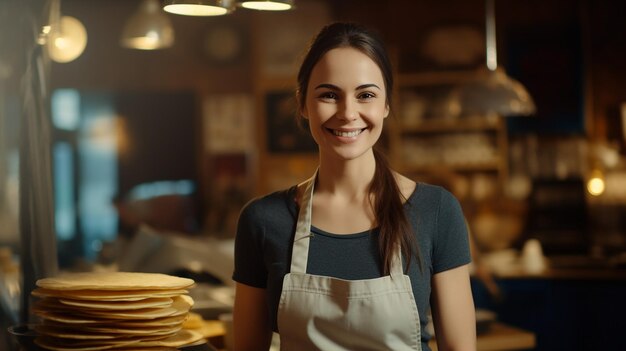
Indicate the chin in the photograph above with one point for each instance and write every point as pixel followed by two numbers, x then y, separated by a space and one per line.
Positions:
pixel 350 155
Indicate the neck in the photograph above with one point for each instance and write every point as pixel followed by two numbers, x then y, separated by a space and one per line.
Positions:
pixel 350 178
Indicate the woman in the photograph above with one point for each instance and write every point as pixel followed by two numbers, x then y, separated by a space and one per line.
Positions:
pixel 352 258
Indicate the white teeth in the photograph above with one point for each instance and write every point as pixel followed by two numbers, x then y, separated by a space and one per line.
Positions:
pixel 351 134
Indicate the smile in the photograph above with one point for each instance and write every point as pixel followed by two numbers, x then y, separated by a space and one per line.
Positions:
pixel 347 134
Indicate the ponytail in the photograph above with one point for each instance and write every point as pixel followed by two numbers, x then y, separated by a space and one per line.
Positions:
pixel 389 209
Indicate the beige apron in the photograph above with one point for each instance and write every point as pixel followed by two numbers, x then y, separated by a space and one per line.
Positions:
pixel 326 313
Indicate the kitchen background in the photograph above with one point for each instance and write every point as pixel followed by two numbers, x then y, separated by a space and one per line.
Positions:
pixel 178 139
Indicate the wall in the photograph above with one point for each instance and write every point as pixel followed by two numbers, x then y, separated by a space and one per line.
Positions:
pixel 185 67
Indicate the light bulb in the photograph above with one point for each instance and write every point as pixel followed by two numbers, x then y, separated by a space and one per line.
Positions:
pixel 595 184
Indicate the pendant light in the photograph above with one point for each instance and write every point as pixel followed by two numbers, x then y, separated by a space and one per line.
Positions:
pixel 199 7
pixel 491 91
pixel 268 5
pixel 148 28
pixel 66 36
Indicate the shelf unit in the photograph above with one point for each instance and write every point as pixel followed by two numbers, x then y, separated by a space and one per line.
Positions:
pixel 428 140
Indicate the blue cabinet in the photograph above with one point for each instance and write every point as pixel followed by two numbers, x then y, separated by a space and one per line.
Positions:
pixel 565 314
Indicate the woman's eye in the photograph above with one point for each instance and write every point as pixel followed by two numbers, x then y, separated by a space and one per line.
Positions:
pixel 366 95
pixel 329 95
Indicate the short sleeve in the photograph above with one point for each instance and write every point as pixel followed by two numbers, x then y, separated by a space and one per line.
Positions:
pixel 451 242
pixel 249 266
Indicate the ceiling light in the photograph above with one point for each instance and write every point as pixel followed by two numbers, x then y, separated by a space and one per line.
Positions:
pixel 148 28
pixel 268 5
pixel 67 39
pixel 596 184
pixel 492 90
pixel 199 7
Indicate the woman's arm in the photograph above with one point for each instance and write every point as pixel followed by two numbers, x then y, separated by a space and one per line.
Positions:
pixel 453 310
pixel 251 327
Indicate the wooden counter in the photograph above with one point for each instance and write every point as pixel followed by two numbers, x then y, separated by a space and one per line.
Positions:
pixel 501 337
pixel 608 274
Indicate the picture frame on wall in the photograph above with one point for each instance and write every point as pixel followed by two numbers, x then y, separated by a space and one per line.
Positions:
pixel 283 134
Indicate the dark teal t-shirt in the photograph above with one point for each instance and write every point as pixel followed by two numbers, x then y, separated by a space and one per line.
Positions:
pixel 267 226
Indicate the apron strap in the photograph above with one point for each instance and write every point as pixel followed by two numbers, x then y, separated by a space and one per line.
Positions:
pixel 300 251
pixel 302 237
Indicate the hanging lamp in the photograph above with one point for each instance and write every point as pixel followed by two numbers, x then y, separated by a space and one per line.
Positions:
pixel 66 37
pixel 199 7
pixel 491 91
pixel 148 28
pixel 268 5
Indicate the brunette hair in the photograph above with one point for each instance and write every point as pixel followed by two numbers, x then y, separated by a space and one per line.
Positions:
pixel 388 199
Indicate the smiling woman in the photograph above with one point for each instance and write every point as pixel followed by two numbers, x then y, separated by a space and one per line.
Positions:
pixel 335 262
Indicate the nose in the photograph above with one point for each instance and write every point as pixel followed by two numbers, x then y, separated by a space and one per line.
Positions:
pixel 347 110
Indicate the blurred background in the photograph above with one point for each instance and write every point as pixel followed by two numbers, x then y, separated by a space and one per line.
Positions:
pixel 119 153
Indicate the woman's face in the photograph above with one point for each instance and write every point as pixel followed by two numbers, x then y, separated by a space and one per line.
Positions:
pixel 345 103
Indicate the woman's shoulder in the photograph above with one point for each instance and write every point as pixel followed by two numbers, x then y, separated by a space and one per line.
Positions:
pixel 272 203
pixel 431 194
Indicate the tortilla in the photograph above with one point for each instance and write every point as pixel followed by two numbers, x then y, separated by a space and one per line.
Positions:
pixel 70 318
pixel 116 330
pixel 64 333
pixel 107 295
pixel 144 313
pixel 56 344
pixel 182 338
pixel 155 302
pixel 114 281
pixel 102 311
pixel 103 332
pixel 209 329
pixel 165 321
pixel 194 320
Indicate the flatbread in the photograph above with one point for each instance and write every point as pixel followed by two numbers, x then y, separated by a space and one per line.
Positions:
pixel 166 321
pixel 144 313
pixel 182 338
pixel 56 344
pixel 155 302
pixel 120 331
pixel 194 320
pixel 114 281
pixel 121 311
pixel 209 329
pixel 70 318
pixel 103 333
pixel 57 311
pixel 65 333
pixel 183 304
pixel 107 295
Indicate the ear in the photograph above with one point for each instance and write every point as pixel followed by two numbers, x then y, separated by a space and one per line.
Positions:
pixel 387 110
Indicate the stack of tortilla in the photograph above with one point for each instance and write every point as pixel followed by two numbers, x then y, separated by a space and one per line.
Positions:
pixel 113 310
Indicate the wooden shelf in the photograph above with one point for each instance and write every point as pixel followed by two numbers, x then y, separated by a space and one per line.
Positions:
pixel 422 137
pixel 482 167
pixel 434 78
pixel 451 125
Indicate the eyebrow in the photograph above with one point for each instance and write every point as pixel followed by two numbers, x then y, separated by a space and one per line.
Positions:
pixel 334 87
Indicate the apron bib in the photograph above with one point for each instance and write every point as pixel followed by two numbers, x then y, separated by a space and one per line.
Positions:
pixel 325 313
